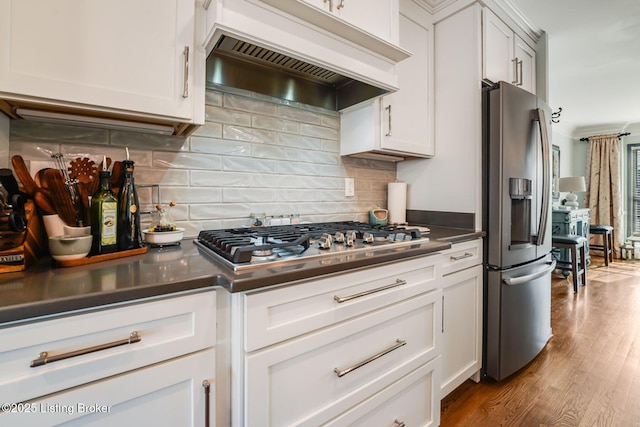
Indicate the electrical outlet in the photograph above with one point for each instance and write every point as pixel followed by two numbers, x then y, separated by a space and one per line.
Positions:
pixel 349 187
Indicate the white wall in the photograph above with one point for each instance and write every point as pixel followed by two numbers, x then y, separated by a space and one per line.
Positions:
pixel 452 180
pixel 254 155
pixel 573 156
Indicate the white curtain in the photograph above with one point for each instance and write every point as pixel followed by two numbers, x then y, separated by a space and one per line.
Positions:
pixel 604 196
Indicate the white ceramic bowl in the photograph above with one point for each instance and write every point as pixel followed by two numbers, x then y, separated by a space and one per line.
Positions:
pixel 76 231
pixel 163 237
pixel 66 248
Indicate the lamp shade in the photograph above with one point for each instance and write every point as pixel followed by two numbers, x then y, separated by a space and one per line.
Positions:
pixel 572 184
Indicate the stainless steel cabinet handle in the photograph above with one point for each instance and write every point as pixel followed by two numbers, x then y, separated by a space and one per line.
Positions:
pixel 343 372
pixel 514 281
pixel 459 257
pixel 514 61
pixel 207 390
pixel 330 5
pixel 399 423
pixel 340 5
pixel 520 73
pixel 44 356
pixel 205 4
pixel 185 86
pixel 388 108
pixel 398 282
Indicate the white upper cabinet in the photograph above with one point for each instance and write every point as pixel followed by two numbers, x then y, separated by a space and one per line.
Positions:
pixel 370 16
pixel 398 125
pixel 115 58
pixel 506 57
pixel 348 18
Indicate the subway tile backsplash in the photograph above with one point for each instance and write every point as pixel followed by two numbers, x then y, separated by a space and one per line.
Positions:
pixel 254 154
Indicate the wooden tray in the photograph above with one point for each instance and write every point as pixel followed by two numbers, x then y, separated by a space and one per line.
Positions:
pixel 103 257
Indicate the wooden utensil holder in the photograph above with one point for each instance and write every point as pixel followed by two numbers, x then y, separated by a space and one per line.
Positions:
pixel 27 246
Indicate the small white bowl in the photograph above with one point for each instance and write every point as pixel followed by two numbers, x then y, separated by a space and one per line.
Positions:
pixel 67 248
pixel 76 231
pixel 163 237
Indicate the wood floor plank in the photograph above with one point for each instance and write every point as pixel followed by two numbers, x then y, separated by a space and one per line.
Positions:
pixel 587 375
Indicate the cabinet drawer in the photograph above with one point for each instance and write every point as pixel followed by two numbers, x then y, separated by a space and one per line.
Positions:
pixel 279 314
pixel 167 328
pixel 167 394
pixel 413 400
pixel 306 370
pixel 461 256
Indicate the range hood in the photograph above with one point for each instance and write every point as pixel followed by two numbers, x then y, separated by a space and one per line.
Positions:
pixel 243 65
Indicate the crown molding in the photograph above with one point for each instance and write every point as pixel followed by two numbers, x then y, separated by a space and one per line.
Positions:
pixel 508 8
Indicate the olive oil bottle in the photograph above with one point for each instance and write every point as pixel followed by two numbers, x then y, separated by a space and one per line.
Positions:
pixel 104 220
pixel 129 234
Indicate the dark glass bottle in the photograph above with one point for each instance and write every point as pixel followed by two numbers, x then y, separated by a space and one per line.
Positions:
pixel 104 218
pixel 128 211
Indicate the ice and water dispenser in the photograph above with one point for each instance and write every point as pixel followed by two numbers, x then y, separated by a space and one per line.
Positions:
pixel 520 194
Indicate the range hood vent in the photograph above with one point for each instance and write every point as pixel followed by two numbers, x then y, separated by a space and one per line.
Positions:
pixel 242 65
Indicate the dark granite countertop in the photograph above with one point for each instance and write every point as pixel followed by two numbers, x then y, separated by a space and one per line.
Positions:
pixel 44 289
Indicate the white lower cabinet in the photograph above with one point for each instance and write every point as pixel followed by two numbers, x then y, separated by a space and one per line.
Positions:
pixel 167 394
pixel 142 363
pixel 328 372
pixel 332 346
pixel 461 315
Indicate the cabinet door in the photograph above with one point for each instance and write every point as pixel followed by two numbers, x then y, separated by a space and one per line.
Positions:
pixel 375 17
pixel 407 115
pixel 461 327
pixel 526 58
pixel 497 48
pixel 168 394
pixel 116 54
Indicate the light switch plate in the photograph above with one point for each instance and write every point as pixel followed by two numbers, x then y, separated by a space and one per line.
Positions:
pixel 349 187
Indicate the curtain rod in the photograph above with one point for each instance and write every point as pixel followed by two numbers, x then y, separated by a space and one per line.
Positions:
pixel 620 135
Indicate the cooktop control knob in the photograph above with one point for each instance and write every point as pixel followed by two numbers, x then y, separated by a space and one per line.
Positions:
pixel 325 241
pixel 339 237
pixel 350 238
pixel 367 237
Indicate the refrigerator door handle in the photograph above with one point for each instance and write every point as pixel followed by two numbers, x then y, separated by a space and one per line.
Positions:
pixel 515 281
pixel 546 176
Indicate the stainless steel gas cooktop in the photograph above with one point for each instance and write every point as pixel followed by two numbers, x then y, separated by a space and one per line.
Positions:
pixel 244 248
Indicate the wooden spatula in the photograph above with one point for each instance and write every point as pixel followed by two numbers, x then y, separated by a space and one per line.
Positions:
pixel 60 196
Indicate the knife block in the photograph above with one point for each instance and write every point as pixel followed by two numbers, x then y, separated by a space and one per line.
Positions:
pixel 21 250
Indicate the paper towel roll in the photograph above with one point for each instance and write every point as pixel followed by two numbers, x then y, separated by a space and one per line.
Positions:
pixel 397 202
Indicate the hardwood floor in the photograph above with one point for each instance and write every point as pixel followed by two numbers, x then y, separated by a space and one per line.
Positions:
pixel 587 375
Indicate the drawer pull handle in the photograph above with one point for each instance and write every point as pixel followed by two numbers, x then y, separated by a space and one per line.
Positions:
pixel 398 282
pixel 399 423
pixel 343 372
pixel 459 257
pixel 207 392
pixel 44 356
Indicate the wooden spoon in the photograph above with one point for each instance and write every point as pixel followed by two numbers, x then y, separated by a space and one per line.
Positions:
pixel 117 177
pixel 42 198
pixel 24 175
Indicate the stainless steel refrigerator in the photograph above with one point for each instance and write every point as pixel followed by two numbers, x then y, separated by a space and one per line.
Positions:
pixel 517 221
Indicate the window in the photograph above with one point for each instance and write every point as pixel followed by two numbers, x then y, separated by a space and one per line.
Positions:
pixel 633 189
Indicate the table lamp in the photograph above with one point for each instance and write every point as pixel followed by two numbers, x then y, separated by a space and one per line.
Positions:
pixel 571 185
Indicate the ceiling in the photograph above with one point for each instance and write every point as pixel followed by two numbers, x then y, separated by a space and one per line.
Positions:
pixel 594 62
